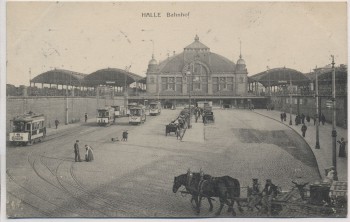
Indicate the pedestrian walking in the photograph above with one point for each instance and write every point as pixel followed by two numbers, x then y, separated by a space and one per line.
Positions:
pixel 76 151
pixel 125 135
pixel 323 119
pixel 296 120
pixel 302 118
pixel 308 119
pixel 315 117
pixel 303 129
pixel 86 117
pixel 56 123
pixel 282 117
pixel 89 155
pixel 342 144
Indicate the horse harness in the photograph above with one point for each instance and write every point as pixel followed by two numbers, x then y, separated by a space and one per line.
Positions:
pixel 201 182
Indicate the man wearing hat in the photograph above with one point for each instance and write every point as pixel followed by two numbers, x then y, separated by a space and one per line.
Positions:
pixel 76 151
pixel 254 198
pixel 269 192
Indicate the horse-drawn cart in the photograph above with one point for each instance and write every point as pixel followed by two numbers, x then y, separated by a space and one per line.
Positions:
pixel 320 198
pixel 327 199
pixel 208 117
pixel 172 128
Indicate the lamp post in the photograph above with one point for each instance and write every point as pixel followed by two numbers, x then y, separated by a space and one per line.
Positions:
pixel 334 131
pixel 290 101
pixel 188 74
pixel 317 146
pixel 66 109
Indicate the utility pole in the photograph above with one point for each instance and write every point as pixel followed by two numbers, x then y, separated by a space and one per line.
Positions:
pixel 290 101
pixel 317 146
pixel 334 131
pixel 67 117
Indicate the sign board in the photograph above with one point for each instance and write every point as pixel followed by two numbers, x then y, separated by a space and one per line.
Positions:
pixel 110 82
pixel 329 103
pixel 282 81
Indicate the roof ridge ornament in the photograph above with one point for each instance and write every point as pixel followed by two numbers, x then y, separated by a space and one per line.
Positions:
pixel 240 49
pixel 196 38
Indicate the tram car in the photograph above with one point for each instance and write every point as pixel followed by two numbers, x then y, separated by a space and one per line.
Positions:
pixel 137 115
pixel 27 129
pixel 105 116
pixel 117 111
pixel 130 105
pixel 155 108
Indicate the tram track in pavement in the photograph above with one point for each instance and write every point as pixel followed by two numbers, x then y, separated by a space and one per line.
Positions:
pixel 44 213
pixel 45 200
pixel 33 165
pixel 62 185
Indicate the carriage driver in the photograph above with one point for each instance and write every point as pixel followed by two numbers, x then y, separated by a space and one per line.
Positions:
pixel 254 194
pixel 269 192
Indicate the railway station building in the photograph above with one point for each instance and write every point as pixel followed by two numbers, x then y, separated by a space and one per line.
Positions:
pixel 199 72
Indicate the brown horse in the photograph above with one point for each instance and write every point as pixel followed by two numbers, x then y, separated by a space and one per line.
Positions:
pixel 203 185
pixel 226 188
pixel 191 181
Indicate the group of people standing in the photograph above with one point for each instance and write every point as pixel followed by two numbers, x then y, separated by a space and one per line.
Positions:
pixel 89 155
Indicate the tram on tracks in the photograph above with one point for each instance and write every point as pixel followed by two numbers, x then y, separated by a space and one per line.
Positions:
pixel 117 111
pixel 27 129
pixel 137 115
pixel 105 116
pixel 155 108
pixel 130 105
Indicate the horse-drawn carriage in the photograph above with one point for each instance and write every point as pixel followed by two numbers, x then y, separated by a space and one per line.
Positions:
pixel 172 128
pixel 328 199
pixel 318 198
pixel 208 117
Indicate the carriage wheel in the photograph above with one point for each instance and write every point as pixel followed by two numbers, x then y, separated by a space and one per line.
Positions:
pixel 29 143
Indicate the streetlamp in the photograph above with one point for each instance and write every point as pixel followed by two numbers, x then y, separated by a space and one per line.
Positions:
pixel 317 146
pixel 334 131
pixel 290 100
pixel 188 74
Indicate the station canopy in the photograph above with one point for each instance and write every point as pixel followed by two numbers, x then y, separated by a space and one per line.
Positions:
pixel 280 76
pixel 111 77
pixel 60 77
pixel 325 74
pixel 143 80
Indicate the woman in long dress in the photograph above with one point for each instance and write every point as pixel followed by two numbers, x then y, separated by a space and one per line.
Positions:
pixel 89 155
pixel 342 144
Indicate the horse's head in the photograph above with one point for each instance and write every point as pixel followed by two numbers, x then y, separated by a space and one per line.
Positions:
pixel 178 182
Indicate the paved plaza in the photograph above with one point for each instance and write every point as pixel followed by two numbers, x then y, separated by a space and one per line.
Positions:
pixel 135 178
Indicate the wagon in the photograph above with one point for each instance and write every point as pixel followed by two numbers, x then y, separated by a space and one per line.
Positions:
pixel 171 127
pixel 320 198
pixel 208 117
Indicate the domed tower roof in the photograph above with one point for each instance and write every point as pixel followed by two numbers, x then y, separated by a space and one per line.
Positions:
pixel 152 65
pixel 152 61
pixel 240 61
pixel 241 66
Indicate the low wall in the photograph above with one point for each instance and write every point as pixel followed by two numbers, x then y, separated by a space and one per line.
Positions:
pixel 55 107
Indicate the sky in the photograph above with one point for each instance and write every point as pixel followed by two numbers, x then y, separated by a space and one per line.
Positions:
pixel 88 36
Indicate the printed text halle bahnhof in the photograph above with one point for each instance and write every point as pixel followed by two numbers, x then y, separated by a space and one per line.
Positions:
pixel 167 15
